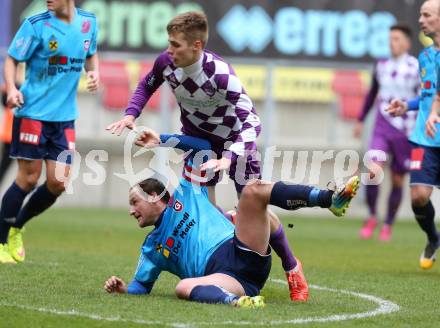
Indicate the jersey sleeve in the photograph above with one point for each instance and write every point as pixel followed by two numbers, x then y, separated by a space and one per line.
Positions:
pixel 234 93
pixel 24 43
pixel 370 98
pixel 146 87
pixel 138 288
pixel 94 42
pixel 146 272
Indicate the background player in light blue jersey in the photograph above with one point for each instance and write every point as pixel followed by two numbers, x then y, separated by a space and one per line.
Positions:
pixel 217 262
pixel 425 155
pixel 55 45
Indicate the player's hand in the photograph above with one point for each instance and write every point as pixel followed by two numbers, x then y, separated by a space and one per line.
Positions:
pixel 431 128
pixel 115 285
pixel 92 81
pixel 15 98
pixel 148 139
pixel 397 107
pixel 119 126
pixel 216 164
pixel 358 129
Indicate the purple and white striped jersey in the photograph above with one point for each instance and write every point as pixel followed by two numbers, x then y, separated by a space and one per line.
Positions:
pixel 394 78
pixel 212 101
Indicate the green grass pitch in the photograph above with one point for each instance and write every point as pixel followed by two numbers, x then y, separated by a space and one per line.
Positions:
pixel 70 253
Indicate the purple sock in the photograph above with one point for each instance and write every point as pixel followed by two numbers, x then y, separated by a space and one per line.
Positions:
pixel 372 193
pixel 280 245
pixel 393 204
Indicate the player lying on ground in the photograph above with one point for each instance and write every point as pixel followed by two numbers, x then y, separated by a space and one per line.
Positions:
pixel 214 106
pixel 217 261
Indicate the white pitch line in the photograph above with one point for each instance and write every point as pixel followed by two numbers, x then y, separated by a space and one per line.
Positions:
pixel 385 307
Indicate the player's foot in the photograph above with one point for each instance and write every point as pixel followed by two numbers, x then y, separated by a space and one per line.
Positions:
pixel 427 258
pixel 385 232
pixel 367 229
pixel 15 243
pixel 299 290
pixel 343 195
pixel 250 302
pixel 5 257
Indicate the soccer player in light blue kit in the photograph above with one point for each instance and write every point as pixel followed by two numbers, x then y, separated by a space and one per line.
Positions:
pixel 217 262
pixel 55 45
pixel 425 155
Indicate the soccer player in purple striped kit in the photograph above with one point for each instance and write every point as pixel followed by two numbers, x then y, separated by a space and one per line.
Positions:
pixel 395 77
pixel 214 106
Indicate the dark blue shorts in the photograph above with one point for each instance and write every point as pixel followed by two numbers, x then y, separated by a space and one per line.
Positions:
pixel 35 140
pixel 236 260
pixel 425 165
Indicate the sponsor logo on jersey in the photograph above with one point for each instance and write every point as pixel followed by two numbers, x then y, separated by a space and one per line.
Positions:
pixel 178 206
pixel 53 44
pixel 423 72
pixel 170 242
pixel 85 27
pixel 86 45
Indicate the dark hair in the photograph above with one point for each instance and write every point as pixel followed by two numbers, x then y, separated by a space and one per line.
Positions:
pixel 405 29
pixel 193 24
pixel 151 185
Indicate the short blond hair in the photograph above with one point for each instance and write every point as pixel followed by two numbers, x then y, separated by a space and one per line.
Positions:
pixel 193 25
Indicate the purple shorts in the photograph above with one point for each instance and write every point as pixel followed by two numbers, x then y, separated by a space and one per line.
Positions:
pixel 396 145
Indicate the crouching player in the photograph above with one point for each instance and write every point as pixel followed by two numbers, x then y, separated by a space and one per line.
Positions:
pixel 217 261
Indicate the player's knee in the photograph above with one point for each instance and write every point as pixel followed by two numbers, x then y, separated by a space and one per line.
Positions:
pixel 55 186
pixel 183 289
pixel 419 198
pixel 253 191
pixel 28 181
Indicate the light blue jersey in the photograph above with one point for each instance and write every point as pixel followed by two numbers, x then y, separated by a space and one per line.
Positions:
pixel 186 235
pixel 55 53
pixel 429 61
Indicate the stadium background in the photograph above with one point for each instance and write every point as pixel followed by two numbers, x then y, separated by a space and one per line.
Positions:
pixel 305 64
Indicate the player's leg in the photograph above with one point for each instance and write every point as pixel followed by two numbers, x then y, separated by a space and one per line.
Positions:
pixel 424 175
pixel 46 194
pixel 378 143
pixel 5 161
pixel 401 154
pixel 28 174
pixel 213 288
pixel 277 239
pixel 394 200
pixel 59 138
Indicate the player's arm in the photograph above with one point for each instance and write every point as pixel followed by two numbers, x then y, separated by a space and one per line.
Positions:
pixel 117 285
pixel 434 117
pixel 21 49
pixel 151 139
pixel 368 104
pixel 146 275
pixel 14 97
pixel 145 89
pixel 399 107
pixel 92 68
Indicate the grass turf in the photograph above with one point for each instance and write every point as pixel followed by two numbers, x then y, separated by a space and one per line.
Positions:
pixel 70 253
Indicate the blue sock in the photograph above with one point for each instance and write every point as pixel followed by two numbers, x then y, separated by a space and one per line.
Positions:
pixel 211 294
pixel 11 204
pixel 425 218
pixel 39 201
pixel 292 197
